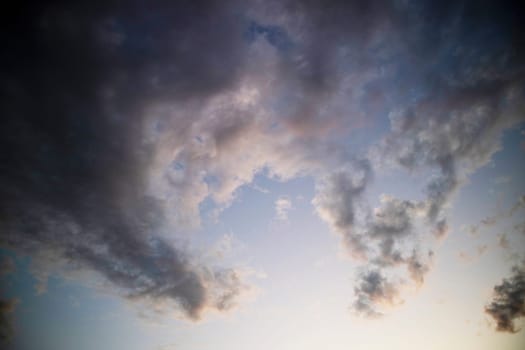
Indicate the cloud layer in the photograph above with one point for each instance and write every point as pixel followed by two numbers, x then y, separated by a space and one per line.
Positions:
pixel 121 119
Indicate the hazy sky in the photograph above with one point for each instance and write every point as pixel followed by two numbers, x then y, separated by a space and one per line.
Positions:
pixel 288 174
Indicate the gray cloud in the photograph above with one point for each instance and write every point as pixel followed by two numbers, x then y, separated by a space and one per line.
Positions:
pixel 282 206
pixel 456 145
pixel 449 94
pixel 508 303
pixel 374 289
pixel 503 242
pixel 76 160
pixel 392 222
pixel 417 267
pixel 382 240
pixel 119 121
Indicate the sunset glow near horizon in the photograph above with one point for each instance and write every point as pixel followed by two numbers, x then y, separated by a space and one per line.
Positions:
pixel 281 174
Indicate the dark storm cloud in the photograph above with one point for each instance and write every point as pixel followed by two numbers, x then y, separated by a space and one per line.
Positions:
pixel 76 78
pixel 508 303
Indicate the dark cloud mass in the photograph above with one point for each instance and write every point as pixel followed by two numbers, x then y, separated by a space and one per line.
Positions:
pixel 508 303
pixel 120 119
pixel 455 75
pixel 76 79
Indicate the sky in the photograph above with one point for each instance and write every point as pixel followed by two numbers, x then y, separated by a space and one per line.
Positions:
pixel 262 174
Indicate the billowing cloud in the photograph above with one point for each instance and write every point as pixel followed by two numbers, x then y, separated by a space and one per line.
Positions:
pixel 120 120
pixel 75 180
pixel 337 202
pixel 508 303
pixel 374 289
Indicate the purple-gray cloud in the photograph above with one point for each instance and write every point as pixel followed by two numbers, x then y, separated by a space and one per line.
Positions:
pixel 450 123
pixel 508 303
pixel 7 266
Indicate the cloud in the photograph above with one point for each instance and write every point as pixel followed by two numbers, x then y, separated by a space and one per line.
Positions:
pixel 460 143
pixel 167 347
pixel 374 289
pixel 382 239
pixel 492 220
pixel 520 203
pixel 418 267
pixel 282 206
pixel 503 242
pixel 502 180
pixel 392 221
pixel 508 303
pixel 456 143
pixel 449 125
pixel 120 121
